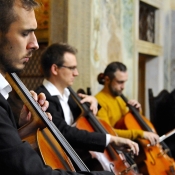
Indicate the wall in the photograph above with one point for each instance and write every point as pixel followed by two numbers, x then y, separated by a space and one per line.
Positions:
pixel 107 30
pixel 102 32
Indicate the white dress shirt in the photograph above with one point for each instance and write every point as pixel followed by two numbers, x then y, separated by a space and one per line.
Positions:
pixel 62 98
pixel 5 88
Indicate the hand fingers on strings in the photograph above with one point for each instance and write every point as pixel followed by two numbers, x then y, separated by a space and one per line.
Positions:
pixel 49 116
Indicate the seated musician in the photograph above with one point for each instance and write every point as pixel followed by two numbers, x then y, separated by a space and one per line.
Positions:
pixel 17 42
pixel 59 67
pixel 112 105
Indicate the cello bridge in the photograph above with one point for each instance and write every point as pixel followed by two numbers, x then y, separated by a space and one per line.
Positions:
pixel 163 153
pixel 127 169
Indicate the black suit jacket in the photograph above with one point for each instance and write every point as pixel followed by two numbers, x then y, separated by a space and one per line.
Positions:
pixel 77 138
pixel 17 157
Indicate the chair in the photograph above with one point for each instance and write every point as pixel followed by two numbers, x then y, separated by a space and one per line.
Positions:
pixel 158 108
pixel 162 115
pixel 88 91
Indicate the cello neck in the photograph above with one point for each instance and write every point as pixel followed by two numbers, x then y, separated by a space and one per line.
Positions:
pixel 87 113
pixel 94 122
pixel 36 111
pixel 136 114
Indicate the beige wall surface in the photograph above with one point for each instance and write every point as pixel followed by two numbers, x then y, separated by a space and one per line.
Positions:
pixel 107 30
pixel 106 42
pixel 102 32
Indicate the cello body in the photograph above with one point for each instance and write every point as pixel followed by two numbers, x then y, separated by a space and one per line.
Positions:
pixel 43 142
pixel 109 159
pixel 43 135
pixel 152 160
pixel 114 160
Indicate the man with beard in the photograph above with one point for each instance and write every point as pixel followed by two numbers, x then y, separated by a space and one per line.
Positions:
pixel 17 42
pixel 59 66
pixel 112 105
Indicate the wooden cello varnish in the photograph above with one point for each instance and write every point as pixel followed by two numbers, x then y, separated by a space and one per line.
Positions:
pixel 152 160
pixel 116 160
pixel 43 135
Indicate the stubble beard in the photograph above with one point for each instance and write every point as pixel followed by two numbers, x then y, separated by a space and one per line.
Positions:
pixel 113 92
pixel 6 58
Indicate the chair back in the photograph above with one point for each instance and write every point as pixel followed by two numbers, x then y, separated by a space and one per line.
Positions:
pixel 162 115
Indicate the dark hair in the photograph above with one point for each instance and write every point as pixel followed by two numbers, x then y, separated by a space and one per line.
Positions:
pixel 7 14
pixel 54 54
pixel 110 70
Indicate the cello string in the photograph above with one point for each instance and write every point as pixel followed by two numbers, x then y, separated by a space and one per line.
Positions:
pixel 54 130
pixel 97 125
pixel 91 118
pixel 137 115
pixel 146 127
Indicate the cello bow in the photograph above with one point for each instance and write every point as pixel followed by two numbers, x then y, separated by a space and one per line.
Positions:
pixel 156 160
pixel 165 136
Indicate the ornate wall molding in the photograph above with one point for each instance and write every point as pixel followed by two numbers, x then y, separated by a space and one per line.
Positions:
pixel 155 3
pixel 148 48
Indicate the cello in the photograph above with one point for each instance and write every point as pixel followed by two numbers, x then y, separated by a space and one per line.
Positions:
pixel 114 159
pixel 153 160
pixel 43 135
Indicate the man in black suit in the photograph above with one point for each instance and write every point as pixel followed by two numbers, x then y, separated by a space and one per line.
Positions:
pixel 59 67
pixel 17 42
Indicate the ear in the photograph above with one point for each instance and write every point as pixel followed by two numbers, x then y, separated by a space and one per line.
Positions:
pixel 54 69
pixel 107 80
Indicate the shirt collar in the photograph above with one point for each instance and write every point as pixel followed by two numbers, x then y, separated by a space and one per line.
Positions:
pixel 54 91
pixel 5 87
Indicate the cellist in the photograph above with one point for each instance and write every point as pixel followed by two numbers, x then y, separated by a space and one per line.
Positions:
pixel 17 43
pixel 113 107
pixel 59 66
pixel 152 160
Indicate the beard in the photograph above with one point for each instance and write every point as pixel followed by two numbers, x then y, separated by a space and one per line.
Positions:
pixel 6 64
pixel 7 58
pixel 114 93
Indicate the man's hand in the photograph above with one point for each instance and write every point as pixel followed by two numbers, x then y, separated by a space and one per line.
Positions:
pixel 135 103
pixel 152 137
pixel 125 144
pixel 90 99
pixel 25 114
